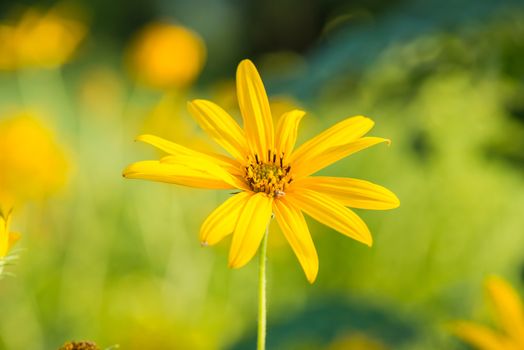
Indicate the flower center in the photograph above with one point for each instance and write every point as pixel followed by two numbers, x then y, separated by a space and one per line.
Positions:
pixel 269 177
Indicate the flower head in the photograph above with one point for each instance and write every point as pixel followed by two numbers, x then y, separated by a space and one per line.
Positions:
pixel 509 315
pixel 32 164
pixel 272 177
pixel 47 39
pixel 166 56
pixel 41 39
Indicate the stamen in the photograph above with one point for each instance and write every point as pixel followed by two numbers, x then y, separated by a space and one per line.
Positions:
pixel 269 177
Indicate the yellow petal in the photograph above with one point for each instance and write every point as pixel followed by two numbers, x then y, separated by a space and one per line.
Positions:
pixel 176 149
pixel 205 166
pixel 352 193
pixel 165 145
pixel 339 134
pixel 222 221
pixel 232 166
pixel 295 229
pixel 331 213
pixel 481 337
pixel 175 174
pixel 254 106
pixel 250 229
pixel 220 126
pixel 307 165
pixel 508 308
pixel 286 134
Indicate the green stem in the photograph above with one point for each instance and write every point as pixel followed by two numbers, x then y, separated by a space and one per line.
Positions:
pixel 261 334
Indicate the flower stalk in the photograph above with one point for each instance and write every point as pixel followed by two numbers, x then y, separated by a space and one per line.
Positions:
pixel 261 331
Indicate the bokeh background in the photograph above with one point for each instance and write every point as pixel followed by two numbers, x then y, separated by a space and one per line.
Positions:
pixel 118 262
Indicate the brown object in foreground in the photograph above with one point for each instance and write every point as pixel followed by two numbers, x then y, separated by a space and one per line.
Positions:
pixel 79 345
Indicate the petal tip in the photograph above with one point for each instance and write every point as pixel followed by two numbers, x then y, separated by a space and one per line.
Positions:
pixel 245 62
pixel 312 277
pixel 142 137
pixel 395 202
pixel 237 262
pixel 126 171
pixel 234 265
pixel 363 118
pixel 195 101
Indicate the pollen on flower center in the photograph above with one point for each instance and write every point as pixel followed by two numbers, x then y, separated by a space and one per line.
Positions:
pixel 271 177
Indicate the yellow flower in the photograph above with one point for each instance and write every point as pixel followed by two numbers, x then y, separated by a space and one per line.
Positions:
pixel 166 56
pixel 32 164
pixel 42 40
pixel 271 177
pixel 7 239
pixel 509 315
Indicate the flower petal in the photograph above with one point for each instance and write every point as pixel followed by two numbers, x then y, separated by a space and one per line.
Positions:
pixel 331 213
pixel 174 173
pixel 222 221
pixel 295 230
pixel 352 193
pixel 206 166
pixel 339 134
pixel 220 126
pixel 228 164
pixel 250 229
pixel 176 149
pixel 481 337
pixel 508 308
pixel 308 165
pixel 286 134
pixel 254 106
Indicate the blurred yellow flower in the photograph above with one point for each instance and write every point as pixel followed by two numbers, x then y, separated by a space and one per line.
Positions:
pixel 32 164
pixel 7 238
pixel 509 315
pixel 47 39
pixel 271 177
pixel 166 56
pixel 41 40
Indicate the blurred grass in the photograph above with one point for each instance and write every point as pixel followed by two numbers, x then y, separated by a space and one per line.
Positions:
pixel 119 261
